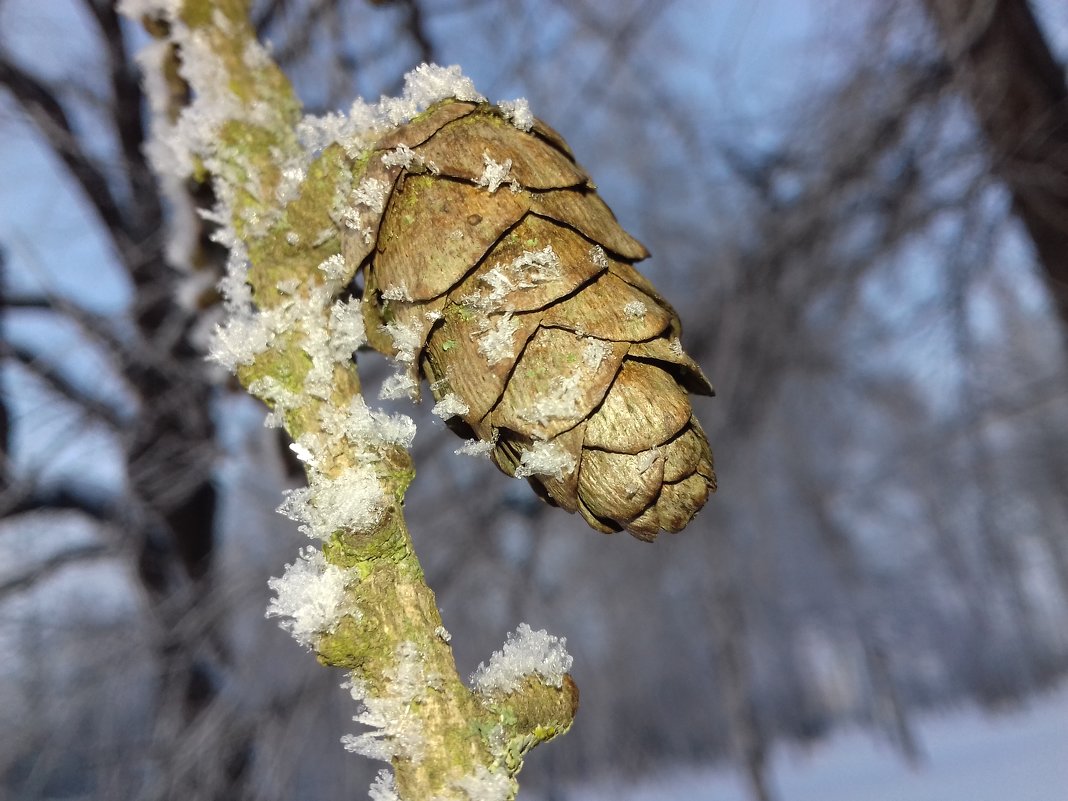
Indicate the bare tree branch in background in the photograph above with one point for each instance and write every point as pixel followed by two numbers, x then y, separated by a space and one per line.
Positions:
pixel 1017 88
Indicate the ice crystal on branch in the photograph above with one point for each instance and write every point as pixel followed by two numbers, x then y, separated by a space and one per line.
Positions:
pixel 396 728
pixel 525 653
pixel 353 500
pixel 310 596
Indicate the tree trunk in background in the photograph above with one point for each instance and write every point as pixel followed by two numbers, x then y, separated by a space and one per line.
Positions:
pixel 1018 91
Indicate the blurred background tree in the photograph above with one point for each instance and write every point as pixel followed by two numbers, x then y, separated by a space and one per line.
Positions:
pixel 863 232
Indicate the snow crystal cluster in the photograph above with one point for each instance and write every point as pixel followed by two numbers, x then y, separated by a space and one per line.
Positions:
pixel 395 727
pixel 450 406
pixel 494 174
pixel 486 785
pixel 545 459
pixel 311 596
pixel 525 653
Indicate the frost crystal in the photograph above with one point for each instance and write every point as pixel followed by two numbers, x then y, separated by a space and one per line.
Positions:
pixel 495 340
pixel 408 340
pixel 545 459
pixel 398 385
pixel 486 785
pixel 475 447
pixel 399 292
pixel 450 406
pixel 239 341
pixel 635 309
pixel 347 329
pixel 353 500
pixel 598 257
pixel 518 112
pixel 334 267
pixel 495 174
pixel 423 86
pixel 311 596
pixel 525 653
pixel 528 270
pixel 595 352
pixel 396 727
pixel 383 788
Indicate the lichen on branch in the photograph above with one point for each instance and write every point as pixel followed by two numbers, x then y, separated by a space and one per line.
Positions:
pixel 289 188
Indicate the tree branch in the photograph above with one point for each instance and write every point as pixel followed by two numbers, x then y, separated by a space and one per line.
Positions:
pixel 93 407
pixel 294 351
pixel 1020 96
pixel 47 113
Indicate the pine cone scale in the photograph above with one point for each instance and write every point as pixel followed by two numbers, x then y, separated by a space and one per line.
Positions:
pixel 499 272
pixel 523 159
pixel 435 230
pixel 643 409
pixel 585 212
pixel 556 384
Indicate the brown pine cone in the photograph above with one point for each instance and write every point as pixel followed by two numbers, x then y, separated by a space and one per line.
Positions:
pixel 492 266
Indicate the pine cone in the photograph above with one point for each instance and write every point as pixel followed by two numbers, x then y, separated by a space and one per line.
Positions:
pixel 492 266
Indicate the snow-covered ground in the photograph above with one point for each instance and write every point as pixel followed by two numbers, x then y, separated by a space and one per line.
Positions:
pixel 1020 755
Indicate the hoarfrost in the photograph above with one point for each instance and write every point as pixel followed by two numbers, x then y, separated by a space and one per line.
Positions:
pixel 334 268
pixel 530 269
pixel 407 339
pixel 476 447
pixel 353 500
pixel 495 339
pixel 494 174
pixel 518 113
pixel 486 785
pixel 396 729
pixel 525 653
pixel 545 459
pixel 635 309
pixel 450 406
pixel 398 385
pixel 347 329
pixel 383 788
pixel 595 352
pixel 398 292
pixel 311 596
